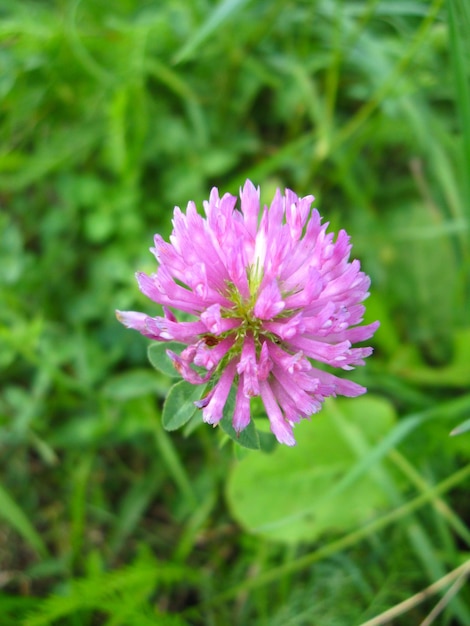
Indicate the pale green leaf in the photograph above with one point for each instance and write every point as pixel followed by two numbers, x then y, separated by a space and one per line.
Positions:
pixel 294 503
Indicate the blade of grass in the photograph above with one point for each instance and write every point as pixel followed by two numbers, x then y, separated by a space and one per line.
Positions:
pixel 171 458
pixel 218 16
pixel 440 505
pixel 446 599
pixel 399 433
pixel 82 55
pixel 458 574
pixel 81 477
pixel 16 517
pixel 459 23
pixel 133 505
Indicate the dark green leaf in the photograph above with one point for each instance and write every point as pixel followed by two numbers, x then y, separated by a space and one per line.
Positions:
pixel 248 437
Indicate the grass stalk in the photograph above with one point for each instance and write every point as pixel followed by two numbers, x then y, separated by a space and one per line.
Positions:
pixel 456 576
pixel 459 23
pixel 347 541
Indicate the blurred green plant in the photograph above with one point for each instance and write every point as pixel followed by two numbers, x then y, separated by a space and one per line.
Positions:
pixel 122 595
pixel 112 113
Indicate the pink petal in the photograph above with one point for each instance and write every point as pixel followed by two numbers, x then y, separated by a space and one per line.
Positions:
pixel 281 429
pixel 213 412
pixel 269 302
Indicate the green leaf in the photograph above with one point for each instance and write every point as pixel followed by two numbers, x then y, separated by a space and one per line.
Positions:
pixel 160 360
pixel 248 437
pixel 179 404
pixel 297 500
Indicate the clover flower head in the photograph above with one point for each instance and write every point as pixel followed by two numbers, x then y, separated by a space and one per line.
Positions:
pixel 269 292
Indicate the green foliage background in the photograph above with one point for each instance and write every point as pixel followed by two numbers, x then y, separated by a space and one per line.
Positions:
pixel 111 113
